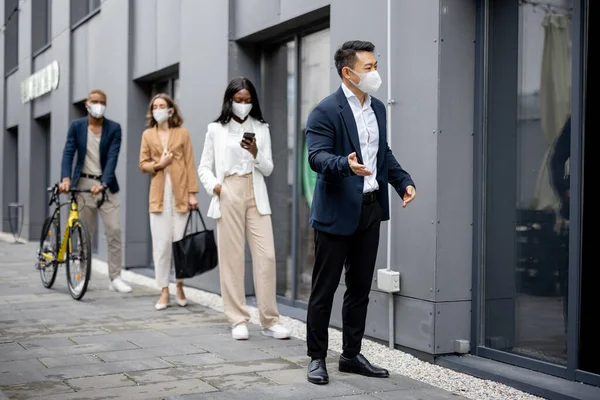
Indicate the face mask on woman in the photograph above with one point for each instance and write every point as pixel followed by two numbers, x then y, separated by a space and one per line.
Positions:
pixel 161 115
pixel 241 110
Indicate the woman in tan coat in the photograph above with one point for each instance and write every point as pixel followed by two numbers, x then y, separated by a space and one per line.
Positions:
pixel 166 153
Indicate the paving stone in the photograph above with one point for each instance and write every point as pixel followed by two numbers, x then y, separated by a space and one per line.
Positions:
pixel 287 392
pixel 23 331
pixel 71 360
pixel 285 377
pixel 22 365
pixel 125 327
pixel 195 331
pixel 106 368
pixel 9 347
pixel 354 397
pixel 164 375
pixel 244 367
pixel 149 353
pixel 418 394
pixel 138 336
pixel 239 381
pixel 35 389
pixel 154 391
pixel 194 359
pixel 369 385
pixel 247 355
pixel 19 377
pixel 100 382
pixel 47 343
pixel 41 352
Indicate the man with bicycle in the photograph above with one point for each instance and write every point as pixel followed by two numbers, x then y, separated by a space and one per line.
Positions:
pixel 97 142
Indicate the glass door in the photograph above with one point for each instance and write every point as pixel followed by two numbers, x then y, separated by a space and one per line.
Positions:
pixel 294 78
pixel 532 111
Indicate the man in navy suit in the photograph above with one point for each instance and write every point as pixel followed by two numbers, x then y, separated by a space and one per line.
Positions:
pixel 96 141
pixel 347 147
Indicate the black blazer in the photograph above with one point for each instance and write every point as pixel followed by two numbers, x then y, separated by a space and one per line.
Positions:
pixel 331 135
pixel 110 146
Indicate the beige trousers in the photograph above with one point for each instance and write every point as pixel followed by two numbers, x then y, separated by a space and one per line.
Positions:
pixel 166 227
pixel 110 214
pixel 240 219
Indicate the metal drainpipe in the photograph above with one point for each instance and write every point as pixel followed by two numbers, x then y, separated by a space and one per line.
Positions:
pixel 390 101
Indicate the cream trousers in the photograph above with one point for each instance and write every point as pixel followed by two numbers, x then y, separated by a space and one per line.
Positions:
pixel 166 227
pixel 240 220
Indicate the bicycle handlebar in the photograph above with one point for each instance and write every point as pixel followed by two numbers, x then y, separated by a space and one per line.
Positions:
pixel 55 192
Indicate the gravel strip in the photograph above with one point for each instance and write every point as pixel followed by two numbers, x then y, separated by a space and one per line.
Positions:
pixel 379 354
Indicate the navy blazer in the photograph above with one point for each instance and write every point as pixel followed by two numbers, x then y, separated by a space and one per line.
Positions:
pixel 110 146
pixel 331 135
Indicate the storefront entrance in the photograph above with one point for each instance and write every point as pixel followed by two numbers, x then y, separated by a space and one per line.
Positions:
pixel 532 276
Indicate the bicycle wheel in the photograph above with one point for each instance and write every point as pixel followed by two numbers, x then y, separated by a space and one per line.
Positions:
pixel 48 251
pixel 79 260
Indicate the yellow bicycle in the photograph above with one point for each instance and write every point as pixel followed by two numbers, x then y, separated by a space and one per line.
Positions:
pixel 75 249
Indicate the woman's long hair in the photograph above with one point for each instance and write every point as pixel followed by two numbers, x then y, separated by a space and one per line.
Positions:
pixel 175 120
pixel 234 86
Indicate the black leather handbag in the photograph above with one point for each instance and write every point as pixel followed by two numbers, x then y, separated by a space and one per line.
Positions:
pixel 196 253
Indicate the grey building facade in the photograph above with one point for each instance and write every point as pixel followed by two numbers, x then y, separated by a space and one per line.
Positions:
pixel 478 92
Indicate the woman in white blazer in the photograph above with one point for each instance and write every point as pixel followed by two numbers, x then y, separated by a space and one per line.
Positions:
pixel 235 159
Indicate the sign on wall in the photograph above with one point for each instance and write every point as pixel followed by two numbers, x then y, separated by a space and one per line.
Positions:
pixel 40 83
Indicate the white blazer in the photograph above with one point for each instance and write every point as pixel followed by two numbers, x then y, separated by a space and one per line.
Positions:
pixel 213 161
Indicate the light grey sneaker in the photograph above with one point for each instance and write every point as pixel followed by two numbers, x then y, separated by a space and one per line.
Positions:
pixel 117 285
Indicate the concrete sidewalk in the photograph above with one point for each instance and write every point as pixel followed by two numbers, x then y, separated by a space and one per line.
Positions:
pixel 116 346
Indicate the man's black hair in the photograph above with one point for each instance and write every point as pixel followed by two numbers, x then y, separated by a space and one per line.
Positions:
pixel 345 56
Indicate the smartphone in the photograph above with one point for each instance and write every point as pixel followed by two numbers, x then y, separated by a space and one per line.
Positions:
pixel 249 135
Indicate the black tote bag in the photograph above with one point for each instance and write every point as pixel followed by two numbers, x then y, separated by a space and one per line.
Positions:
pixel 196 253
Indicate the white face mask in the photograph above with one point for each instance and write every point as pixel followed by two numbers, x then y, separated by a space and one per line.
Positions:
pixel 369 81
pixel 161 115
pixel 241 110
pixel 96 110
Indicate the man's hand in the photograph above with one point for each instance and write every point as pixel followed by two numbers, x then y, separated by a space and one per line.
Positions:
pixel 409 195
pixel 65 185
pixel 192 201
pixel 356 167
pixel 96 189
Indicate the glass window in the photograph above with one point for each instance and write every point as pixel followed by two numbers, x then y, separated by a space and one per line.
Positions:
pixel 277 95
pixel 11 35
pixel 315 64
pixel 294 78
pixel 41 17
pixel 527 179
pixel 80 9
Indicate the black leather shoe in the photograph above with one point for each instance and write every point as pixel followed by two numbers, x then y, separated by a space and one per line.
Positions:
pixel 360 365
pixel 317 372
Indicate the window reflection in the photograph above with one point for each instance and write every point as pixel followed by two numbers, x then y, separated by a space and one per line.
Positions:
pixel 526 302
pixel 314 73
pixel 286 105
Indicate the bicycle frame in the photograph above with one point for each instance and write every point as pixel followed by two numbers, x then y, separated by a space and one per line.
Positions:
pixel 73 215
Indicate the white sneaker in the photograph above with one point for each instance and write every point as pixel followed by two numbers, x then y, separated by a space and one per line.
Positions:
pixel 240 332
pixel 277 332
pixel 117 285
